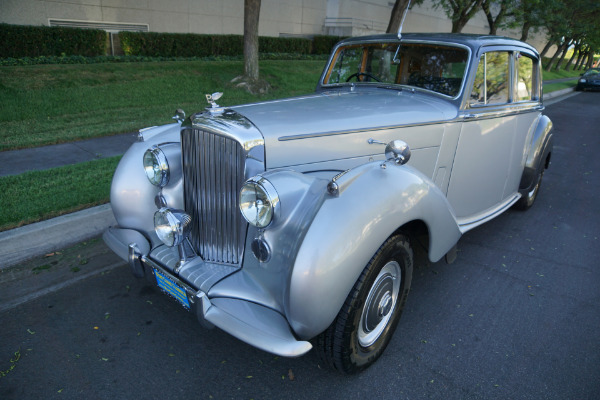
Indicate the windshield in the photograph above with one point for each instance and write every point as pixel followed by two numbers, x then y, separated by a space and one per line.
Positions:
pixel 429 66
pixel 592 72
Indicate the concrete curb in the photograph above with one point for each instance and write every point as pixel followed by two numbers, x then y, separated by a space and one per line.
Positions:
pixel 558 93
pixel 30 241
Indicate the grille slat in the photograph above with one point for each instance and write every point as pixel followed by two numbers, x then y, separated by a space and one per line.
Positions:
pixel 213 173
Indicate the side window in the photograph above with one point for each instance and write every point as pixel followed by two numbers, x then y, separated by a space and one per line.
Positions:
pixel 492 80
pixel 524 66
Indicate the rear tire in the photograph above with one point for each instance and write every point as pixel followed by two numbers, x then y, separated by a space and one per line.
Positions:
pixel 365 324
pixel 527 199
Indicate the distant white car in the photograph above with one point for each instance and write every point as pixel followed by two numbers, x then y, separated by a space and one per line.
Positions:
pixel 292 223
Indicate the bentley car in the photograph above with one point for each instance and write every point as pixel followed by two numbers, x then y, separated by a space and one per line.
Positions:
pixel 296 223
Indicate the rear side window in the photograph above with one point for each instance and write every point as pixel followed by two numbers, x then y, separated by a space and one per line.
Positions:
pixel 524 89
pixel 492 82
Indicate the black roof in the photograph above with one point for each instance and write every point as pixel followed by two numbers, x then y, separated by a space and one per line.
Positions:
pixel 474 41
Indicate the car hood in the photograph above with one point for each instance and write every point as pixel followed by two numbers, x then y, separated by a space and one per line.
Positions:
pixel 294 128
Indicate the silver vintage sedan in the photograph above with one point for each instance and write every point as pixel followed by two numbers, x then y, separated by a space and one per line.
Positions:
pixel 296 223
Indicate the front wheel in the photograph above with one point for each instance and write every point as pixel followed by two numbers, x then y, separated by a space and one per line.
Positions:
pixel 365 324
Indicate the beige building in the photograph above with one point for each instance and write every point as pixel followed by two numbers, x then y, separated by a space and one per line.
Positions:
pixel 277 17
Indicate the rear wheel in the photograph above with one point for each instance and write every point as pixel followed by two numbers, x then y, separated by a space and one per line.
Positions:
pixel 368 318
pixel 527 200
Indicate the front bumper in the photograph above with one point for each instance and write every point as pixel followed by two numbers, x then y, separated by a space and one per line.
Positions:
pixel 590 85
pixel 252 323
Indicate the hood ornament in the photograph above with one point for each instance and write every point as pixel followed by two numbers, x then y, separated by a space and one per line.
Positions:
pixel 212 100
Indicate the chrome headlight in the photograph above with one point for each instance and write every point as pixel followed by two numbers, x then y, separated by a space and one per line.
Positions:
pixel 259 201
pixel 582 80
pixel 156 166
pixel 172 226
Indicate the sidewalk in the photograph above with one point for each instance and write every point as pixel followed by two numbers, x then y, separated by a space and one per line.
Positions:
pixel 20 244
pixel 16 162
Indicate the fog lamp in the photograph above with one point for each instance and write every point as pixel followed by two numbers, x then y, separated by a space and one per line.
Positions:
pixel 172 226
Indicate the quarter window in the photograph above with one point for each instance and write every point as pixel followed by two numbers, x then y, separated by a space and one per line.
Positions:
pixel 525 77
pixel 492 80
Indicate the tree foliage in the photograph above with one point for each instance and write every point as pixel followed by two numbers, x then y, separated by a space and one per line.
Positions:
pixel 566 23
pixel 459 11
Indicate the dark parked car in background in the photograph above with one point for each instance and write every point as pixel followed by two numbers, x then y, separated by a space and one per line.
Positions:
pixel 590 80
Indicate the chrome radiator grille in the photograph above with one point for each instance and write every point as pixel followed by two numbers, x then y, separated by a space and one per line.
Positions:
pixel 213 173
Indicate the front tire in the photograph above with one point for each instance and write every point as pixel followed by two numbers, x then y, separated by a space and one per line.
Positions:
pixel 365 324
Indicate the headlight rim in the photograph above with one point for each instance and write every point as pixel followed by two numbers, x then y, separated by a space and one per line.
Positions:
pixel 162 163
pixel 273 198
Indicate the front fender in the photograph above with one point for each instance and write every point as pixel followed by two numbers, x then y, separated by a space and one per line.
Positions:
pixel 539 147
pixel 372 203
pixel 131 194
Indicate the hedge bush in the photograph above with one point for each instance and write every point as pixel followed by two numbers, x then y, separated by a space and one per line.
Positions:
pixel 154 44
pixel 33 41
pixel 268 44
pixel 324 44
pixel 18 41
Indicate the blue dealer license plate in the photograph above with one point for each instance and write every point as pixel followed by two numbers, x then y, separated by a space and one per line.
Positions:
pixel 172 288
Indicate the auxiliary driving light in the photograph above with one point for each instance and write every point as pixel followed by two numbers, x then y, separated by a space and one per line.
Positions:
pixel 172 226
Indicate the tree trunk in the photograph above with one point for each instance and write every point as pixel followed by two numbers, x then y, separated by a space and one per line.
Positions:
pixel 525 31
pixel 546 48
pixel 563 55
pixel 559 51
pixel 576 52
pixel 459 24
pixel 579 59
pixel 493 23
pixel 590 60
pixel 251 15
pixel 396 17
pixel 584 56
pixel 463 13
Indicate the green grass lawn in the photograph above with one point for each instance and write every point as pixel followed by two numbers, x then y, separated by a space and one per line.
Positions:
pixel 551 75
pixel 39 195
pixel 48 104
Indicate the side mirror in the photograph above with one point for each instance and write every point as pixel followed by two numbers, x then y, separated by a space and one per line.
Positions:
pixel 397 151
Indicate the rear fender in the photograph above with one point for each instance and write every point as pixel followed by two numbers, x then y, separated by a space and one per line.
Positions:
pixel 371 203
pixel 540 147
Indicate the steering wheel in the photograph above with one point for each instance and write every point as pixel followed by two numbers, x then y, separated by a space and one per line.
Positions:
pixel 357 75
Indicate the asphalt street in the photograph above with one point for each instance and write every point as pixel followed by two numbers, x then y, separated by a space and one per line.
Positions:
pixel 515 317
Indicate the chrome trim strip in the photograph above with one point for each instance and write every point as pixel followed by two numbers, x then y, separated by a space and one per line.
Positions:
pixel 381 128
pixel 460 118
pixel 467 224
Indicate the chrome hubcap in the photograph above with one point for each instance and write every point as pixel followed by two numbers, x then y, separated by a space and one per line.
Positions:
pixel 380 304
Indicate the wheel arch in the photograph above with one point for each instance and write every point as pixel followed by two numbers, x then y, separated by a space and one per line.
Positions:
pixel 539 153
pixel 373 204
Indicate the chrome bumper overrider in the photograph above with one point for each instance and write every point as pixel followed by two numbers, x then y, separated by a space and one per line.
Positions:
pixel 252 323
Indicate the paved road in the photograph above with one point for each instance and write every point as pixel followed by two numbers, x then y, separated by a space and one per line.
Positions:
pixel 516 317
